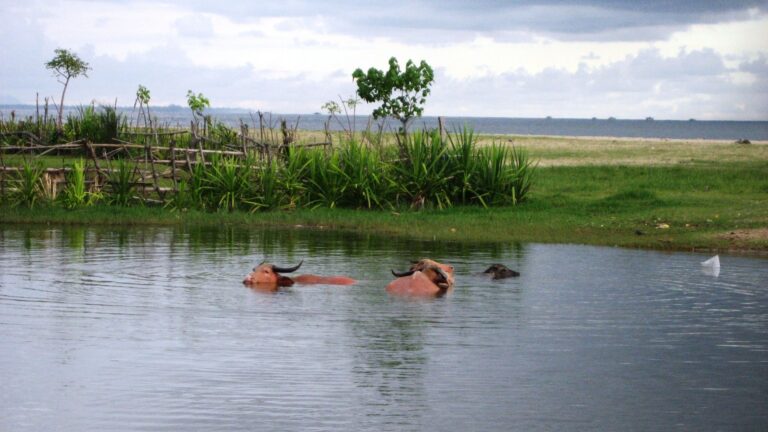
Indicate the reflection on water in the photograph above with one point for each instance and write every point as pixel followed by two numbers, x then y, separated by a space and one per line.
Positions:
pixel 151 329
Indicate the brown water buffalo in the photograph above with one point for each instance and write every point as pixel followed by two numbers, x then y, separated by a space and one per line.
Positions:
pixel 425 278
pixel 268 275
pixel 500 271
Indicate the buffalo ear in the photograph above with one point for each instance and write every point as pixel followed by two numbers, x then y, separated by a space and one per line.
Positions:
pixel 403 274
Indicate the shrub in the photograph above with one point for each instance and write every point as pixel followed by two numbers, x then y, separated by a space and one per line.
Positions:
pixel 227 182
pixel 28 185
pixel 121 181
pixel 423 177
pixel 99 126
pixel 76 193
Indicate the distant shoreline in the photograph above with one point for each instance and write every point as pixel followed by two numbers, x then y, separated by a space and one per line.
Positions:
pixel 246 111
pixel 589 128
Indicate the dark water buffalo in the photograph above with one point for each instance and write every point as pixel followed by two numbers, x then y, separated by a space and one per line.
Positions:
pixel 269 275
pixel 500 271
pixel 425 277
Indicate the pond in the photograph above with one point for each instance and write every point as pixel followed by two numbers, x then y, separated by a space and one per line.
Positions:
pixel 152 329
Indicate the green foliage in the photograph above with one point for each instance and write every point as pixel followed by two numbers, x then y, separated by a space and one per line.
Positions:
pixel 99 126
pixel 222 134
pixel 424 176
pixel 402 93
pixel 121 180
pixel 28 185
pixel 193 191
pixel 197 103
pixel 142 95
pixel 524 172
pixel 267 193
pixel 19 130
pixel 367 176
pixel 66 64
pixel 331 107
pixel 494 176
pixel 349 106
pixel 76 193
pixel 325 181
pixel 227 183
pixel 424 171
pixel 293 177
pixel 462 160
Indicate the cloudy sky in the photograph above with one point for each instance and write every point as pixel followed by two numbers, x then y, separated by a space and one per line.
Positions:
pixel 681 59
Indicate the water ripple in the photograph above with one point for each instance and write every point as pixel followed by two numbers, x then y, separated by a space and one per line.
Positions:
pixel 152 329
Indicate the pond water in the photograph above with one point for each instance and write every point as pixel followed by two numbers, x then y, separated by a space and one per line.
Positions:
pixel 151 329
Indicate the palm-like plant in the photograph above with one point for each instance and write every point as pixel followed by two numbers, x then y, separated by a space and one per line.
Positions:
pixel 227 182
pixel 29 184
pixel 76 193
pixel 423 177
pixel 121 181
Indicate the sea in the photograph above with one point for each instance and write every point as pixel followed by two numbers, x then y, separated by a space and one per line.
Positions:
pixel 177 116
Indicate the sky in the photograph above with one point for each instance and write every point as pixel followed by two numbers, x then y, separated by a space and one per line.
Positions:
pixel 665 59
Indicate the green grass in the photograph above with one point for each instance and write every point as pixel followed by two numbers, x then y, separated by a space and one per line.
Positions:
pixel 613 205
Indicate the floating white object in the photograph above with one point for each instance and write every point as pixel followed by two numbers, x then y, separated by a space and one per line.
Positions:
pixel 713 262
pixel 711 267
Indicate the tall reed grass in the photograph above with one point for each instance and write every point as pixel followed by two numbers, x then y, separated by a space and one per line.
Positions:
pixel 121 180
pixel 227 183
pixel 28 187
pixel 76 193
pixel 423 171
pixel 100 125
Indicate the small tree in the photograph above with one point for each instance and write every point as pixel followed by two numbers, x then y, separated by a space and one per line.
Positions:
pixel 334 109
pixel 142 100
pixel 402 93
pixel 65 66
pixel 197 103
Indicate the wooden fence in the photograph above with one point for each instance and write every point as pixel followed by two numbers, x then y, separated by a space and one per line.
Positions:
pixel 157 168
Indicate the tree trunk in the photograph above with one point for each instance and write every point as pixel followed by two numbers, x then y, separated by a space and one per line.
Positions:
pixel 61 104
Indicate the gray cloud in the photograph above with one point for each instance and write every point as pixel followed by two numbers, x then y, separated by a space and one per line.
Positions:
pixel 197 26
pixel 691 84
pixel 695 84
pixel 452 19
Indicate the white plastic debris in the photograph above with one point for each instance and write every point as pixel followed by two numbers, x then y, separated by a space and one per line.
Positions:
pixel 712 262
pixel 711 267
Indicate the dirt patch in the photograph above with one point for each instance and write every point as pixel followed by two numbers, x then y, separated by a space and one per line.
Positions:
pixel 746 239
pixel 756 234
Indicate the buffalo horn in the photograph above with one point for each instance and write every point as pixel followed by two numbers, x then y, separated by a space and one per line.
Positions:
pixel 277 269
pixel 441 273
pixel 403 274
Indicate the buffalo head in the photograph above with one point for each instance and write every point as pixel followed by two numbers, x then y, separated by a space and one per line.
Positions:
pixel 425 263
pixel 269 275
pixel 500 271
pixel 424 278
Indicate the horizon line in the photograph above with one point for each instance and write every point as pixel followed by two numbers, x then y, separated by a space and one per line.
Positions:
pixel 317 113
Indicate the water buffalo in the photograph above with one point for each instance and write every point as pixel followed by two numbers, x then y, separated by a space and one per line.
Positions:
pixel 424 278
pixel 500 271
pixel 268 275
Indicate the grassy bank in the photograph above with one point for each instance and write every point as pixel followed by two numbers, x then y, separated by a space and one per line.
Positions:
pixel 697 205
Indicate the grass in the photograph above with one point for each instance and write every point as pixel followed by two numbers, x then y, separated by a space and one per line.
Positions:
pixel 713 206
pixel 665 194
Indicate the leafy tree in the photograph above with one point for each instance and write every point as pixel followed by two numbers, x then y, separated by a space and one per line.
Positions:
pixel 142 95
pixel 65 66
pixel 197 103
pixel 402 93
pixel 142 100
